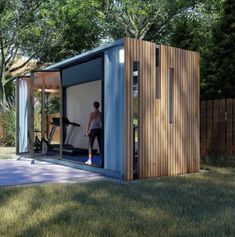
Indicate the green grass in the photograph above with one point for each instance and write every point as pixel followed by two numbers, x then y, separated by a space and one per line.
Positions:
pixel 7 152
pixel 188 205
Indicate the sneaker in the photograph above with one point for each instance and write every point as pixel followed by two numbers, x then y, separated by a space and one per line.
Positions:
pixel 88 162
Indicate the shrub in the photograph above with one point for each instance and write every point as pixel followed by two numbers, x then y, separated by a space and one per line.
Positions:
pixel 8 119
pixel 219 161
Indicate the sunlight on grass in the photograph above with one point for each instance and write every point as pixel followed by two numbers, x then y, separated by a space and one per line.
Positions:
pixel 7 152
pixel 200 204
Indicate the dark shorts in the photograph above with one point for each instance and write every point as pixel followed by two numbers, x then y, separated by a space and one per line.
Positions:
pixel 97 132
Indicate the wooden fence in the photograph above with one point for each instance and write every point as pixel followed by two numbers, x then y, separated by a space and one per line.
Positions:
pixel 218 128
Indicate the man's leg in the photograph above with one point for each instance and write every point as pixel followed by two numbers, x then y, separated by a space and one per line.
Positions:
pixel 91 142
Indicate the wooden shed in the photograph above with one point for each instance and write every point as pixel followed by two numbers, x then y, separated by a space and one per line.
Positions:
pixel 149 97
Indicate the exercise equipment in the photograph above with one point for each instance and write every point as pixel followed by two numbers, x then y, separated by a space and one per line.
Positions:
pixel 68 148
pixel 45 145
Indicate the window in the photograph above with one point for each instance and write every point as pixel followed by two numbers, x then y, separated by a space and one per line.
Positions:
pixel 135 115
pixel 157 77
pixel 170 94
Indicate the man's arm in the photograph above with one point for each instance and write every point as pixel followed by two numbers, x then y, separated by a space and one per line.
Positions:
pixel 89 124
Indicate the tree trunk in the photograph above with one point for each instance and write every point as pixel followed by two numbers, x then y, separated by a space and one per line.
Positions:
pixel 2 93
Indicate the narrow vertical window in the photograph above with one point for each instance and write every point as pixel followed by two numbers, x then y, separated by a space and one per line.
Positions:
pixel 170 94
pixel 157 77
pixel 135 115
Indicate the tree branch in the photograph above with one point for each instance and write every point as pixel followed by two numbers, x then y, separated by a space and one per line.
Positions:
pixel 9 62
pixel 23 64
pixel 3 59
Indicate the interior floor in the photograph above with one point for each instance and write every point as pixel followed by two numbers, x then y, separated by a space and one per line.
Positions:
pixel 96 159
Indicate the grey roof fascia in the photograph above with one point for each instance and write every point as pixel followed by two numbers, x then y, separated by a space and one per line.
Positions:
pixel 67 62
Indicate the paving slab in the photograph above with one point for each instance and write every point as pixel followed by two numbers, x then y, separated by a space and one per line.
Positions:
pixel 25 171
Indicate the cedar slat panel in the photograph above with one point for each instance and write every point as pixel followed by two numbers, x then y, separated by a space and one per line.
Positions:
pixel 180 134
pixel 158 120
pixel 144 111
pixel 161 74
pixel 172 160
pixel 164 149
pixel 149 106
pixel 189 93
pixel 190 106
pixel 168 145
pixel 178 155
pixel 197 88
pixel 193 115
pixel 141 146
pixel 170 126
pixel 196 127
pixel 164 112
pixel 132 59
pixel 154 120
pixel 183 116
pixel 152 106
pixel 128 111
pixel 185 108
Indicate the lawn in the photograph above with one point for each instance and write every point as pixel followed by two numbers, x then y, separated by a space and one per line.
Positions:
pixel 7 152
pixel 188 205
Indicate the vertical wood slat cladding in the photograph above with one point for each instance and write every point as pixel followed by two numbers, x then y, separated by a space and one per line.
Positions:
pixel 164 148
pixel 144 53
pixel 180 140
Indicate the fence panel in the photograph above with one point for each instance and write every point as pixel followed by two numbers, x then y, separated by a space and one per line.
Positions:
pixel 217 128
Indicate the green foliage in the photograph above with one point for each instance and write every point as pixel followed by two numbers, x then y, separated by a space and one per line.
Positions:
pixel 53 105
pixel 51 30
pixel 8 119
pixel 219 80
pixel 44 31
pixel 195 30
pixel 141 19
pixel 78 24
pixel 219 161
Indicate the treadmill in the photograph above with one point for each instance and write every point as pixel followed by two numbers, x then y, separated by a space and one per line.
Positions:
pixel 68 148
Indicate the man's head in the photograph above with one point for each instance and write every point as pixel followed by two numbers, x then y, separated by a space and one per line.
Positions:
pixel 96 104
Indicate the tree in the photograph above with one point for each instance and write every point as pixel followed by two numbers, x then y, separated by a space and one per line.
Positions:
pixel 147 19
pixel 24 32
pixel 219 78
pixel 193 30
pixel 79 25
pixel 44 31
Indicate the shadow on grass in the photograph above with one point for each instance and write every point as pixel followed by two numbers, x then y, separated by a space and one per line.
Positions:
pixel 190 205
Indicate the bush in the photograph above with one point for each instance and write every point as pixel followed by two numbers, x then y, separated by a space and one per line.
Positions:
pixel 219 161
pixel 8 119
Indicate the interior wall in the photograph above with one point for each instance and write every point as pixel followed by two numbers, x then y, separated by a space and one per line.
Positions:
pixel 79 104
